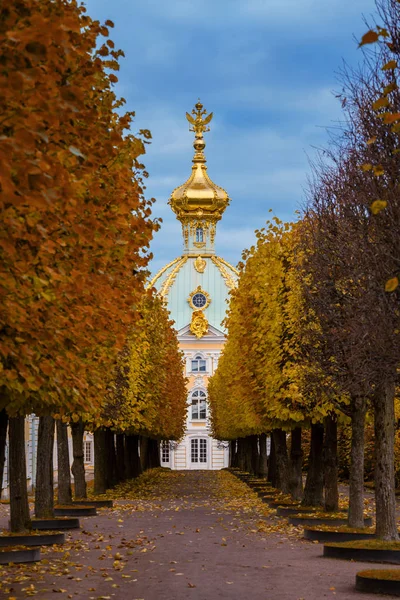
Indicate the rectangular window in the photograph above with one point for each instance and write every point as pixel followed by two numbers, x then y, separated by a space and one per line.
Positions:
pixel 203 409
pixel 194 451
pixel 165 452
pixel 203 451
pixel 199 365
pixel 88 452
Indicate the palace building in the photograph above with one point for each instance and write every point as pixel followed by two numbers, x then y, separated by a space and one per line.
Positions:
pixel 196 287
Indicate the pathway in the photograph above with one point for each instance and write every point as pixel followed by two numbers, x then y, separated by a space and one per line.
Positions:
pixel 198 535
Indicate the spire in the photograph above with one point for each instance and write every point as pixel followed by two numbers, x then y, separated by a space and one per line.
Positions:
pixel 199 126
pixel 199 203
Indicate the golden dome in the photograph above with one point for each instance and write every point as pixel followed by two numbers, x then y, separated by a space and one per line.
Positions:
pixel 199 197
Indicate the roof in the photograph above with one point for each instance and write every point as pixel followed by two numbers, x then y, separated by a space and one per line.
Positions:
pixel 184 276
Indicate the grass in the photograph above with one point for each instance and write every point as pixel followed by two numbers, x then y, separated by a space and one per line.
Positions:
pixel 321 515
pixel 343 528
pixel 367 545
pixel 36 532
pixel 385 574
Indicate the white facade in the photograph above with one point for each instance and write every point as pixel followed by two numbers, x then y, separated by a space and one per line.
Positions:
pixel 198 450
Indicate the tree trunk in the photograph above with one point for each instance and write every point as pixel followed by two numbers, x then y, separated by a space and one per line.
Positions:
pixel 386 526
pixel 3 442
pixel 314 488
pixel 331 464
pixel 241 454
pixel 272 462
pixel 110 459
pixel 154 454
pixel 100 459
pixel 19 508
pixel 64 490
pixel 263 464
pixel 144 452
pixel 356 487
pixel 78 464
pixel 282 460
pixel 120 451
pixel 44 490
pixel 254 455
pixel 132 459
pixel 248 455
pixel 296 464
pixel 234 454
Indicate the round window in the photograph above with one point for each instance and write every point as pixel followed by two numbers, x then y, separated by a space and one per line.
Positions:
pixel 199 300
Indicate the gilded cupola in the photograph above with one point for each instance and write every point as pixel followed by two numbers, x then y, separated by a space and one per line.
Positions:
pixel 199 202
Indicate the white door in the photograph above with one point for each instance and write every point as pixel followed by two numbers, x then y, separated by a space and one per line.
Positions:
pixel 198 453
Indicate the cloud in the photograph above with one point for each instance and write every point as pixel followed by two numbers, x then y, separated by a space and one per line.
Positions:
pixel 265 67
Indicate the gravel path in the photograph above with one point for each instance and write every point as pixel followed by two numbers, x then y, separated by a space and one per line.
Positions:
pixel 197 535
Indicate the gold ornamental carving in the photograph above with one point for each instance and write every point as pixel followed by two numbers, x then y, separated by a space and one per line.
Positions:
pixel 199 290
pixel 200 264
pixel 199 324
pixel 219 263
pixel 199 124
pixel 171 277
pixel 158 275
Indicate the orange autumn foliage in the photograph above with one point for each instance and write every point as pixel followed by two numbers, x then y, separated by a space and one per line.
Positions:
pixel 74 225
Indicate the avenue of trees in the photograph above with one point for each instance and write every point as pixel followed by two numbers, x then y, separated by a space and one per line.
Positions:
pixel 81 340
pixel 314 324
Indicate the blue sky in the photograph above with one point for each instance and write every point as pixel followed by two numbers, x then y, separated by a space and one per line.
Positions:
pixel 266 68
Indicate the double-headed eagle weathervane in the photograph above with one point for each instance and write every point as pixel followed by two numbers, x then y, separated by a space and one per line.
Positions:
pixel 199 125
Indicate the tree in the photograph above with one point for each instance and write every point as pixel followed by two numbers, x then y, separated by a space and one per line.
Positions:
pixel 74 220
pixel 148 395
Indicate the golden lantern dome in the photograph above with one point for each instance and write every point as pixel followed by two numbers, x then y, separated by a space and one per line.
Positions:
pixel 199 197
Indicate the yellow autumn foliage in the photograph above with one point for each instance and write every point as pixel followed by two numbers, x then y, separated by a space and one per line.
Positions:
pixel 149 393
pixel 265 377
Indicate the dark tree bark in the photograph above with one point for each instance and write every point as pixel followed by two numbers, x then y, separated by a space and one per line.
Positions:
pixel 153 450
pixel 356 487
pixel 64 490
pixel 241 454
pixel 132 459
pixel 144 452
pixel 272 463
pixel 314 488
pixel 263 464
pixel 44 490
pixel 296 464
pixel 19 508
pixel 233 454
pixel 248 465
pixel 386 525
pixel 100 459
pixel 331 464
pixel 120 451
pixel 254 455
pixel 282 460
pixel 78 464
pixel 110 459
pixel 3 441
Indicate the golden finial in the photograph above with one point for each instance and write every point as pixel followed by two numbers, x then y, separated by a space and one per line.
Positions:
pixel 199 125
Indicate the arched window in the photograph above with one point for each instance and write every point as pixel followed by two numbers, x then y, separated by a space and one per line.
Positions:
pixel 199 406
pixel 198 364
pixel 199 234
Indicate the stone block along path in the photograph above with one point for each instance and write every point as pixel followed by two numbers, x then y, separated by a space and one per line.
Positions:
pixel 177 535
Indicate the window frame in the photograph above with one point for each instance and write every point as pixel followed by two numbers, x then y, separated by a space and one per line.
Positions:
pixel 197 397
pixel 199 235
pixel 198 358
